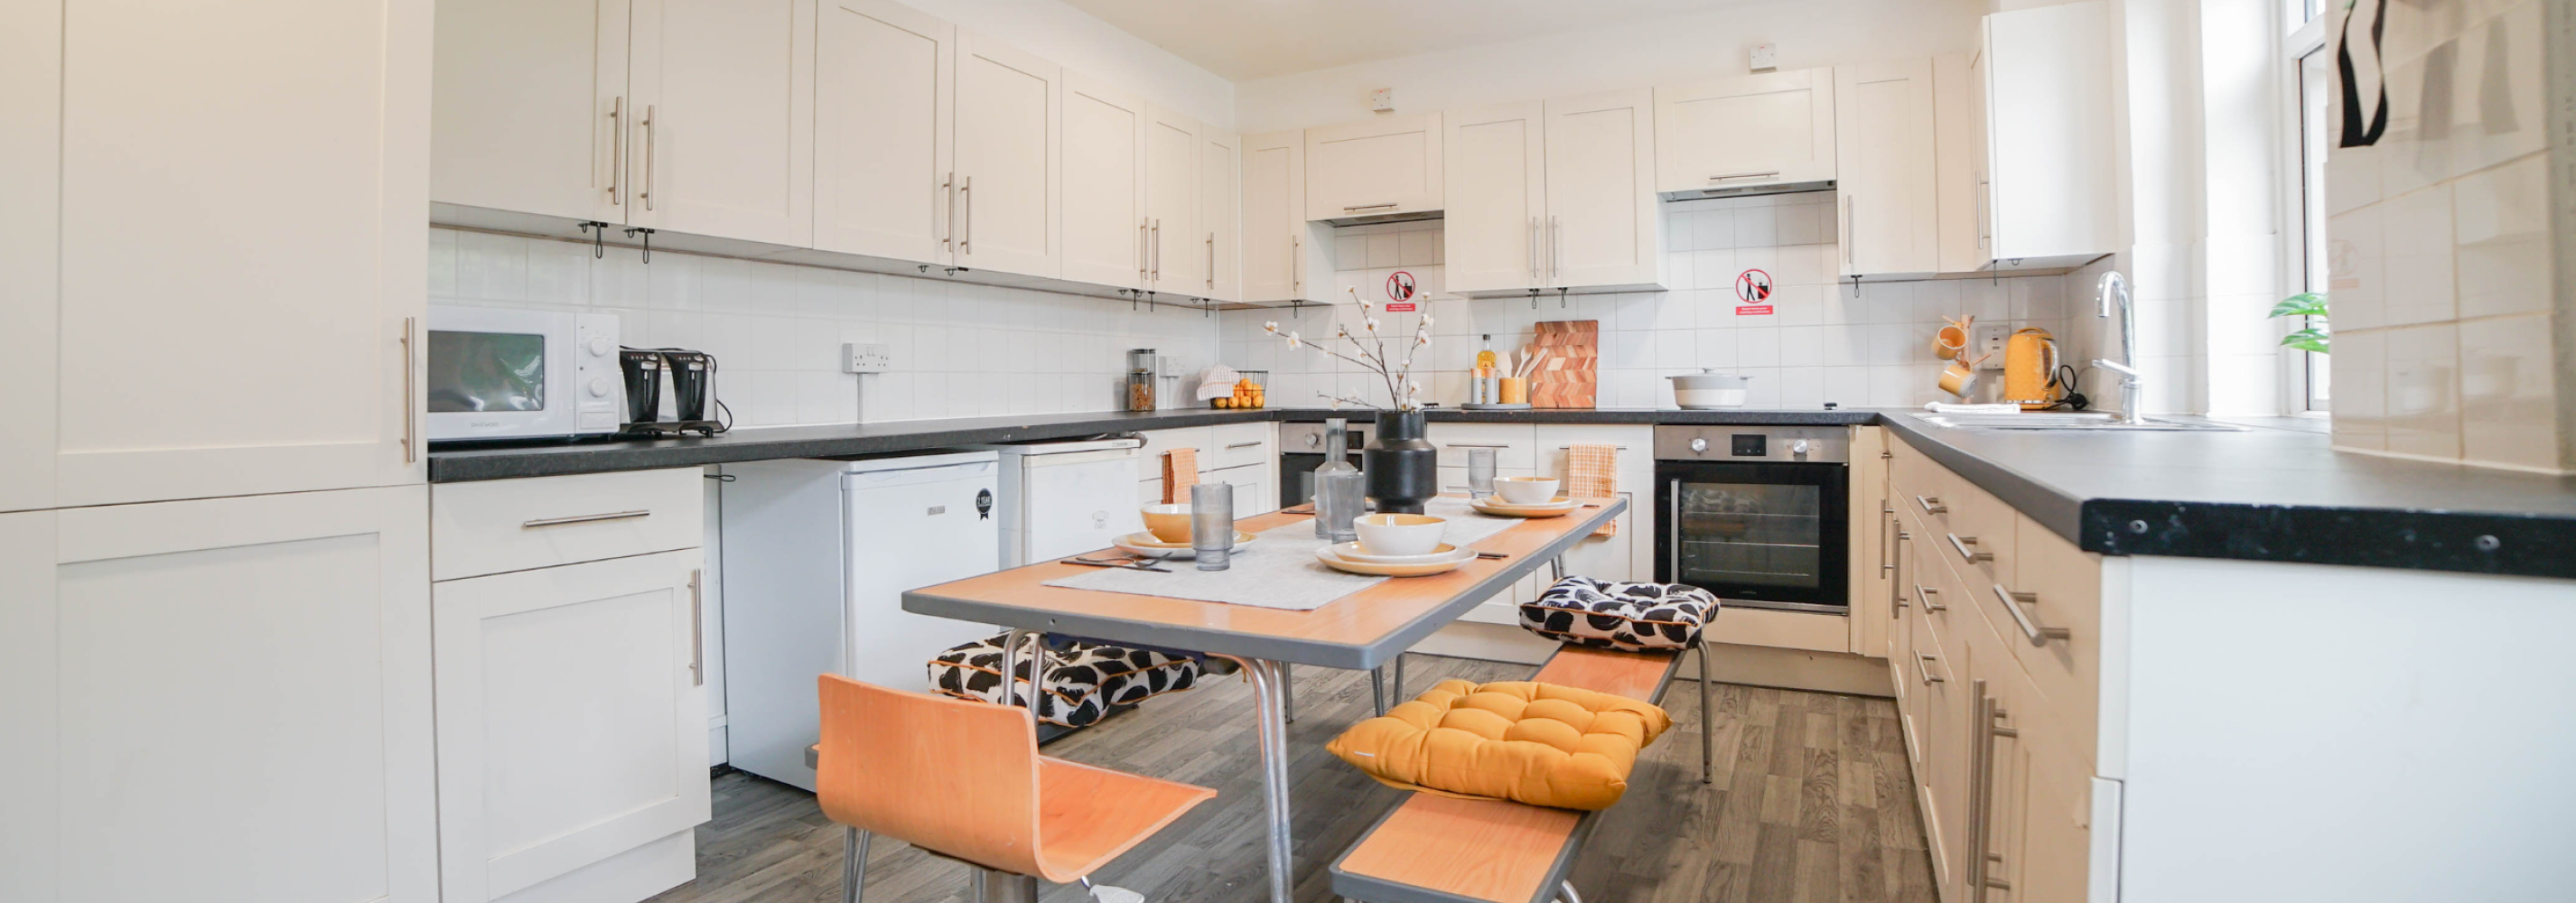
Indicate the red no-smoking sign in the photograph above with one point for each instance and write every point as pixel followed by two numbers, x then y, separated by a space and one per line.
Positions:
pixel 1399 292
pixel 1752 290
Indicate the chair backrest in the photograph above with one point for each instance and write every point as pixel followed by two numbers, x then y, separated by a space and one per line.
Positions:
pixel 953 776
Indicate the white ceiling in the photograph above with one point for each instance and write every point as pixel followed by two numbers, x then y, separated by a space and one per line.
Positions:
pixel 1244 40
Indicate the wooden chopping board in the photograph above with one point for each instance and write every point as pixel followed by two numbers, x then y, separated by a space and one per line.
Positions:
pixel 1567 378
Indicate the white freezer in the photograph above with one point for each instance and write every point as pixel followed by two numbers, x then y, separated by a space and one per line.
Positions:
pixel 1066 498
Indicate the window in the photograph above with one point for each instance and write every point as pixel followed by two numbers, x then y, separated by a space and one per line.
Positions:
pixel 2311 64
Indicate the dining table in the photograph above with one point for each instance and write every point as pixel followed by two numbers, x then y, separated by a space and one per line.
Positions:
pixel 1368 627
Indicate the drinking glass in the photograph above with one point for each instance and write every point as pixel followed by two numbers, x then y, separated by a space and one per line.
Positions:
pixel 1341 496
pixel 1212 525
pixel 1480 472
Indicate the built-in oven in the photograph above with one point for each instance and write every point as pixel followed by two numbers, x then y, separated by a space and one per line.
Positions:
pixel 1301 450
pixel 1758 515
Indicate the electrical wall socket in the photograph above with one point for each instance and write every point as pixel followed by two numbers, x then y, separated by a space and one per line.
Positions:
pixel 858 357
pixel 1764 58
pixel 1382 100
pixel 1989 342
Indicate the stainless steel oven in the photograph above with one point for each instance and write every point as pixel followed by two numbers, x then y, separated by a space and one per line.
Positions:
pixel 1301 450
pixel 1758 515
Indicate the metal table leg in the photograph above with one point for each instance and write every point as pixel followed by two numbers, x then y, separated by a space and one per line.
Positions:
pixel 1377 688
pixel 1287 693
pixel 1270 698
pixel 1707 719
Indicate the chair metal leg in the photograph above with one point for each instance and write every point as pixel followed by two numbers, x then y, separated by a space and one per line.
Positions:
pixel 1377 688
pixel 1397 694
pixel 1707 720
pixel 1566 892
pixel 1269 685
pixel 1003 887
pixel 854 863
pixel 1287 694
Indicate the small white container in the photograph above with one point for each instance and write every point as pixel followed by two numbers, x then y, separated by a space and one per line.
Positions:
pixel 1709 389
pixel 1526 490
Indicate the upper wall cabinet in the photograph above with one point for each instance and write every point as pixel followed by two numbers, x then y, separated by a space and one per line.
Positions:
pixel 1009 147
pixel 1280 260
pixel 1885 184
pixel 724 143
pixel 1221 212
pixel 2049 160
pixel 529 106
pixel 1959 163
pixel 1746 134
pixel 884 116
pixel 1495 185
pixel 1558 195
pixel 1374 170
pixel 1105 226
pixel 1176 244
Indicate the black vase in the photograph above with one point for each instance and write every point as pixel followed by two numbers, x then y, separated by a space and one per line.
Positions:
pixel 1403 468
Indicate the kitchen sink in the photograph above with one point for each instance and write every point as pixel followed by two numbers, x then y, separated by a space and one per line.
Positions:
pixel 2078 421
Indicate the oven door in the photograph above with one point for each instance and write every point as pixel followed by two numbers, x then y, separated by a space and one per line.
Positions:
pixel 1759 535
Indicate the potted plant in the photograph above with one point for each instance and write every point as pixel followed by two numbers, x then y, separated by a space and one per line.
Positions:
pixel 1402 466
pixel 2309 336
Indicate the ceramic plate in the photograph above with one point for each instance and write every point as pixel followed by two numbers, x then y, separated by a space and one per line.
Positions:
pixel 1350 551
pixel 1145 544
pixel 1442 566
pixel 1495 505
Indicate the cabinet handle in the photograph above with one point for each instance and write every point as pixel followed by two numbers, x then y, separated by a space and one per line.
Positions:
pixel 1896 585
pixel 697 629
pixel 950 240
pixel 411 435
pixel 648 157
pixel 1931 504
pixel 1929 678
pixel 1985 228
pixel 1962 543
pixel 617 152
pixel 1243 444
pixel 583 519
pixel 1848 221
pixel 1211 270
pixel 1981 804
pixel 2013 602
pixel 1367 207
pixel 1931 598
pixel 967 188
pixel 1555 249
pixel 1296 264
pixel 1157 245
pixel 1144 264
pixel 1533 250
pixel 1745 175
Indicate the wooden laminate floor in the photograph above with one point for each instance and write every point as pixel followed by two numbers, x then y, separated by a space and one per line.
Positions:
pixel 1812 802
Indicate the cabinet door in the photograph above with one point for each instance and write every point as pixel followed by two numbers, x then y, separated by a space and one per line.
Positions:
pixel 1175 249
pixel 1604 223
pixel 1106 229
pixel 284 147
pixel 1959 162
pixel 2048 86
pixel 1221 214
pixel 31 84
pixel 1885 185
pixel 1274 216
pixel 239 686
pixel 1750 130
pixel 724 146
pixel 1009 143
pixel 1377 167
pixel 571 718
pixel 1494 182
pixel 526 105
pixel 884 102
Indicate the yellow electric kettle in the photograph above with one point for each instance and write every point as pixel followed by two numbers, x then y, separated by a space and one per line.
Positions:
pixel 2030 370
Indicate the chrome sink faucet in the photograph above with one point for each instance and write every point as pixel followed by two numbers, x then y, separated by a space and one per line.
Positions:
pixel 2132 383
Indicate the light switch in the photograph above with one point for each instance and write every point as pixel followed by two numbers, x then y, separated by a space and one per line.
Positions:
pixel 861 357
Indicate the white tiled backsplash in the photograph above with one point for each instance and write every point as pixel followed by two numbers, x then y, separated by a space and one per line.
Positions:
pixel 776 329
pixel 1825 341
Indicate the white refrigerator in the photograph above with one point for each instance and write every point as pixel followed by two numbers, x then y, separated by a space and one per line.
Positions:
pixel 1066 498
pixel 817 555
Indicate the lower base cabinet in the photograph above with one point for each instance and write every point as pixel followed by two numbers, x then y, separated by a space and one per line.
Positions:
pixel 219 700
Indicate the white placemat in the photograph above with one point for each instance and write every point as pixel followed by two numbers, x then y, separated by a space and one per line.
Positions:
pixel 1279 570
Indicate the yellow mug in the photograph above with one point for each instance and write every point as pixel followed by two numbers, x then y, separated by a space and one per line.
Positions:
pixel 1952 340
pixel 1960 378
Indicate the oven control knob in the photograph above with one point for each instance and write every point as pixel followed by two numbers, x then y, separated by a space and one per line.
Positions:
pixel 599 387
pixel 1798 448
pixel 1699 445
pixel 599 346
pixel 1314 441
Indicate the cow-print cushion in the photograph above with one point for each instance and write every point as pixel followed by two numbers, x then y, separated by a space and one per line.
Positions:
pixel 1612 614
pixel 1083 681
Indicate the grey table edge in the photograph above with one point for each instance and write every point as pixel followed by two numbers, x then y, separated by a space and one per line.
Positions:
pixel 1357 657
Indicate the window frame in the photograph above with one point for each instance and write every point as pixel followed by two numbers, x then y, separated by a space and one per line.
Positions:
pixel 2303 35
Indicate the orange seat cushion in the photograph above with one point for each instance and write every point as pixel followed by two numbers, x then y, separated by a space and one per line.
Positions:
pixel 1535 743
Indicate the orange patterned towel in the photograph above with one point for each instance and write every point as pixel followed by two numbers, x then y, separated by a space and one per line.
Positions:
pixel 1180 472
pixel 1592 472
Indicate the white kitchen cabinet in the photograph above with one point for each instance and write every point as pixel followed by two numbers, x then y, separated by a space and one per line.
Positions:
pixel 1495 186
pixel 1175 245
pixel 237 690
pixel 724 144
pixel 1885 191
pixel 1959 163
pixel 528 105
pixel 267 353
pixel 1749 133
pixel 1630 553
pixel 31 81
pixel 1282 258
pixel 1256 490
pixel 1604 228
pixel 884 119
pixel 1106 230
pixel 1375 169
pixel 572 727
pixel 1221 212
pixel 2050 160
pixel 1008 148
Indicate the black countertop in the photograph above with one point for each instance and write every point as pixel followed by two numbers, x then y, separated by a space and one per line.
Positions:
pixel 2275 492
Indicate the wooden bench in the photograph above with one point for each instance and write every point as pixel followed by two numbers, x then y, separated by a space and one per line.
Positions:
pixel 1436 849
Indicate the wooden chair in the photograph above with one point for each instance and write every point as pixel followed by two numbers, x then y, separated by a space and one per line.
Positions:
pixel 963 779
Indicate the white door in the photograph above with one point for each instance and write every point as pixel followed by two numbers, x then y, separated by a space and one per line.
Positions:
pixel 1274 216
pixel 724 146
pixel 237 690
pixel 1604 223
pixel 1884 175
pixel 31 86
pixel 1105 226
pixel 1495 185
pixel 264 352
pixel 571 718
pixel 1374 167
pixel 1008 146
pixel 1221 212
pixel 884 108
pixel 1175 248
pixel 526 105
pixel 1747 130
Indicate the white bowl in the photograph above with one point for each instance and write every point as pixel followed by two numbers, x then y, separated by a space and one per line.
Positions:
pixel 1526 490
pixel 1351 551
pixel 1400 534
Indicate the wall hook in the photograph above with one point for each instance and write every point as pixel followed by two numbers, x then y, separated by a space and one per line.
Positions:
pixel 1855 285
pixel 1560 299
pixel 598 240
pixel 648 241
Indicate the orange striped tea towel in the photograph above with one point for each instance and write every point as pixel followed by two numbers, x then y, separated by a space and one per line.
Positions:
pixel 1180 472
pixel 1591 472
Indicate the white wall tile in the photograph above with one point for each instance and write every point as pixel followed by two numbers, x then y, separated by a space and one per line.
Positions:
pixel 2419 257
pixel 2423 390
pixel 2508 403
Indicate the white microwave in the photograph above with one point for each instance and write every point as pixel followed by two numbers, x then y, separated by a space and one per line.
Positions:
pixel 521 374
